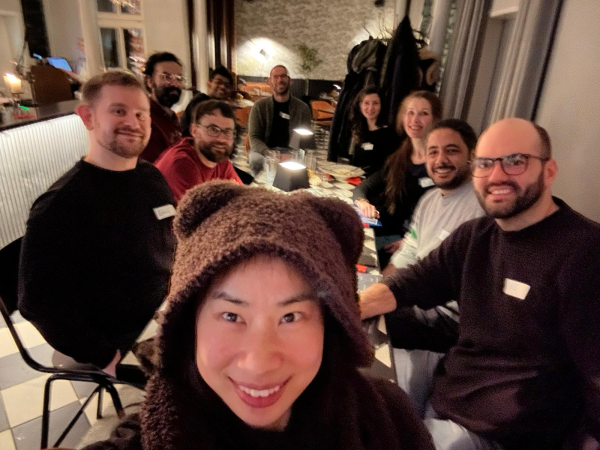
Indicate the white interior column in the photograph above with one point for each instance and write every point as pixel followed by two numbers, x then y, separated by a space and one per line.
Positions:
pixel 439 24
pixel 91 36
pixel 399 11
pixel 200 39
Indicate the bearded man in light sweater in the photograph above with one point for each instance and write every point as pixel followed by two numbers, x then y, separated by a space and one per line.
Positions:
pixel 273 119
pixel 525 373
pixel 439 212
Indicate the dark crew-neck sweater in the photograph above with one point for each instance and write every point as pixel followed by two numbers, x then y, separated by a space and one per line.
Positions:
pixel 528 357
pixel 280 131
pixel 96 259
pixel 377 145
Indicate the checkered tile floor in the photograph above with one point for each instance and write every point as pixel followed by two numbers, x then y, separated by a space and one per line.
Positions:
pixel 22 390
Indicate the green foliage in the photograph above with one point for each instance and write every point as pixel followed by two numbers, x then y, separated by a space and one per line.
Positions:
pixel 310 58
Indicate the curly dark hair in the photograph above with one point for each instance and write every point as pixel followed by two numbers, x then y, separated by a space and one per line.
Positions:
pixel 359 122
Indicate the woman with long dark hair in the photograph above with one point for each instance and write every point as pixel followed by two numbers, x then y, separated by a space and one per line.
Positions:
pixel 373 141
pixel 261 344
pixel 392 193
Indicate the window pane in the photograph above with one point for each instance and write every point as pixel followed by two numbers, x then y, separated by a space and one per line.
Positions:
pixel 106 6
pixel 134 49
pixel 109 47
pixel 133 7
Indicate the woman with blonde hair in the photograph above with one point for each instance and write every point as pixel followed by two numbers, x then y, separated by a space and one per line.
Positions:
pixel 392 193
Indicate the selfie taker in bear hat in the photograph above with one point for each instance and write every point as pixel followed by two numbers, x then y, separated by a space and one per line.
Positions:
pixel 261 342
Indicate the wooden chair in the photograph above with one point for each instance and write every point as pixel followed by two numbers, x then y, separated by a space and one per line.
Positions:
pixel 320 113
pixel 242 115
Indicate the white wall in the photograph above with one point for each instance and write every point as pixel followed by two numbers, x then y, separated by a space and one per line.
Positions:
pixel 166 25
pixel 10 5
pixel 570 106
pixel 64 27
pixel 503 7
pixel 11 35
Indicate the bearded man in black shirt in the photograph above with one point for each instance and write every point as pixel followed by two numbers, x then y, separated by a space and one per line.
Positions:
pixel 97 254
pixel 525 372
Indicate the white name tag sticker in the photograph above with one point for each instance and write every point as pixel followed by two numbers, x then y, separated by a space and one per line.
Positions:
pixel 516 288
pixel 367 146
pixel 165 211
pixel 443 235
pixel 425 182
pixel 284 115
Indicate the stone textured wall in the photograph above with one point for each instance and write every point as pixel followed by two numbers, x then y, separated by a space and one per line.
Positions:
pixel 331 26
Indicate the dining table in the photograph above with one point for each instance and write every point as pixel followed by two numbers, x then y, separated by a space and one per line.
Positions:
pixel 367 274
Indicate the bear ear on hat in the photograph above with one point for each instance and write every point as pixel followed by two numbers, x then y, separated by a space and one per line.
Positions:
pixel 345 224
pixel 201 202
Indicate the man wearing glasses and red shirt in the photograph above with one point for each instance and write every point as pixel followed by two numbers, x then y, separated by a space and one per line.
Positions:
pixel 204 156
pixel 525 373
pixel 164 80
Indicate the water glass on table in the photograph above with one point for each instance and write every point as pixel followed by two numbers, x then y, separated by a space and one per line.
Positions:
pixel 272 163
pixel 311 162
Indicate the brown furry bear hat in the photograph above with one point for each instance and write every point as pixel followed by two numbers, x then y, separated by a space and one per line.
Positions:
pixel 220 224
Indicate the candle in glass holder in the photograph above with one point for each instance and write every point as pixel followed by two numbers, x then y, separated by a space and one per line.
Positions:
pixel 13 83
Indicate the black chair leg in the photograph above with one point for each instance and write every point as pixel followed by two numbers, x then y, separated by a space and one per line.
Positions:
pixel 46 412
pixel 114 395
pixel 77 416
pixel 100 397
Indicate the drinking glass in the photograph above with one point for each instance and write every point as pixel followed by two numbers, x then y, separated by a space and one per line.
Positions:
pixel 272 164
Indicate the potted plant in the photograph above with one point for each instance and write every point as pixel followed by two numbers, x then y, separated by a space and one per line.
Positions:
pixel 310 61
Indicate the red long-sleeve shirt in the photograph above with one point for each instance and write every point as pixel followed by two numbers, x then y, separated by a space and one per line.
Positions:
pixel 183 169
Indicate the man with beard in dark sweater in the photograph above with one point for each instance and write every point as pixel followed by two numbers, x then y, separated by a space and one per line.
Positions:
pixel 525 372
pixel 164 80
pixel 97 253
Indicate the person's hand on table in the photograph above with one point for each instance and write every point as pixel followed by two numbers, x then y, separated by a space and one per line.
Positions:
pixel 392 247
pixel 366 209
pixel 377 299
pixel 111 369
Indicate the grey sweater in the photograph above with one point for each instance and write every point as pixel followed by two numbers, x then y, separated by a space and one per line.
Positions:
pixel 435 217
pixel 261 121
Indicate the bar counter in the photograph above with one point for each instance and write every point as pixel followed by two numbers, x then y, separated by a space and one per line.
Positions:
pixel 40 113
pixel 34 153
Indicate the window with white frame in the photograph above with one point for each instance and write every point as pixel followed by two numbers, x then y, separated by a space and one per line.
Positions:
pixel 121 24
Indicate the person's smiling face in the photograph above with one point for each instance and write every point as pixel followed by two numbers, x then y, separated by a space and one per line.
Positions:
pixel 417 118
pixel 259 340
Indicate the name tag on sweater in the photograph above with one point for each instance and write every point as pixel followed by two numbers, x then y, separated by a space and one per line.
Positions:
pixel 516 288
pixel 443 235
pixel 367 146
pixel 284 115
pixel 165 211
pixel 425 182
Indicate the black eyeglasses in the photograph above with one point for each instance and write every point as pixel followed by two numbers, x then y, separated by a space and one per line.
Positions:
pixel 215 131
pixel 514 164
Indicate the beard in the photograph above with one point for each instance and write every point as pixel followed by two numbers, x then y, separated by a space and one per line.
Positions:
pixel 524 200
pixel 167 96
pixel 209 151
pixel 125 146
pixel 282 88
pixel 459 178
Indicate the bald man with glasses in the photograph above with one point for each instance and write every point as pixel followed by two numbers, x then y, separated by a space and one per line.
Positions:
pixel 205 155
pixel 525 373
